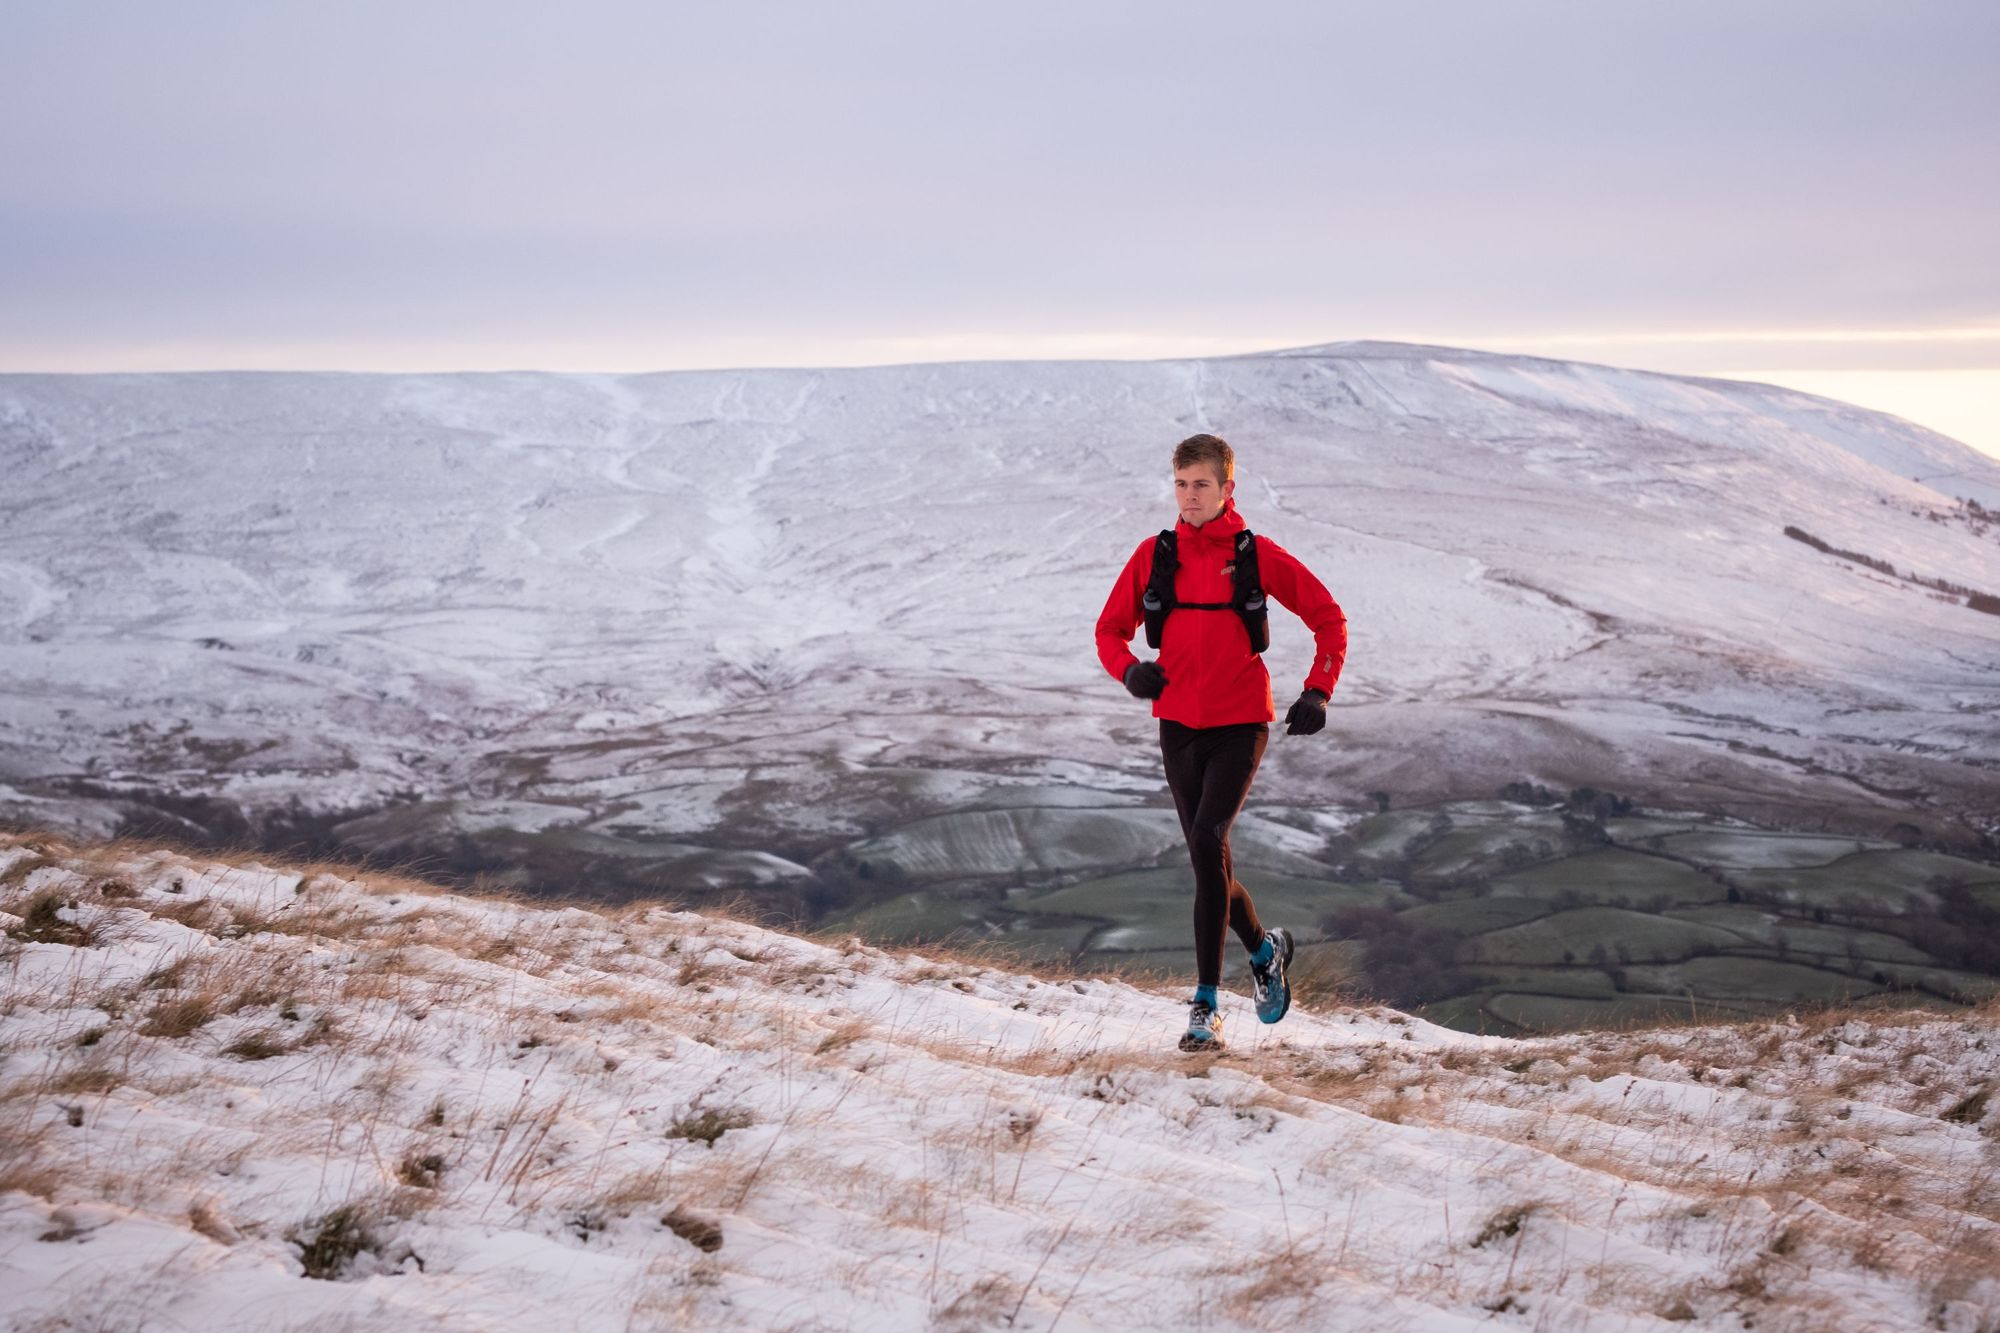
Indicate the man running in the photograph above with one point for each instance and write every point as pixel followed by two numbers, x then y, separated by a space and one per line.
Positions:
pixel 1201 597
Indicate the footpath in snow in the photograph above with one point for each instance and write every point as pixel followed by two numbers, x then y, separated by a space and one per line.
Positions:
pixel 244 1095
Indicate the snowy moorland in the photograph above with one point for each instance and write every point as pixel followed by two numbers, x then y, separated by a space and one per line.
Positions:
pixel 744 619
pixel 265 1096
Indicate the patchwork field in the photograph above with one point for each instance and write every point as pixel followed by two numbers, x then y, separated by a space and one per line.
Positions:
pixel 1488 916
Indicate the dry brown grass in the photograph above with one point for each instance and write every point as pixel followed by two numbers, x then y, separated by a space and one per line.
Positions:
pixel 955 959
pixel 258 1046
pixel 43 923
pixel 201 914
pixel 843 1036
pixel 17 873
pixel 194 989
pixel 93 1079
pixel 180 1016
pixel 704 1233
pixel 1293 1274
pixel 1859 1205
pixel 987 1303
pixel 422 1167
pixel 26 1164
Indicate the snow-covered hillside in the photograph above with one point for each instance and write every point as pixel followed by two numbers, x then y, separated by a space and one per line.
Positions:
pixel 240 1095
pixel 772 610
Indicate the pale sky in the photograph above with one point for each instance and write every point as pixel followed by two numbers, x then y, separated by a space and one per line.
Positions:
pixel 1788 188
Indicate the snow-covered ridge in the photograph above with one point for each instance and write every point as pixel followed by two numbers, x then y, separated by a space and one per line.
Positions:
pixel 467 1113
pixel 741 608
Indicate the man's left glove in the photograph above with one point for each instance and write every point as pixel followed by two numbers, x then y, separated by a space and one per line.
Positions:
pixel 1306 716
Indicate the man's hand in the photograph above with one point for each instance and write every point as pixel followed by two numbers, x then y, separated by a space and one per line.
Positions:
pixel 1145 680
pixel 1306 716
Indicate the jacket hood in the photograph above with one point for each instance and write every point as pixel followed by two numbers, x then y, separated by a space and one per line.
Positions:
pixel 1218 531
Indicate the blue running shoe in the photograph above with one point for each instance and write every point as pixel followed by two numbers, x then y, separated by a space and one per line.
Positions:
pixel 1204 1032
pixel 1273 991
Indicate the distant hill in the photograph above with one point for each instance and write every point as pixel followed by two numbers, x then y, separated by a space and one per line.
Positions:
pixel 750 619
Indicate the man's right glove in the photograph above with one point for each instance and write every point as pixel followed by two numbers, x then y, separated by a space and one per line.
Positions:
pixel 1145 680
pixel 1307 715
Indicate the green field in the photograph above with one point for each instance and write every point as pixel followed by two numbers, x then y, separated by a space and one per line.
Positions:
pixel 1536 925
pixel 1614 876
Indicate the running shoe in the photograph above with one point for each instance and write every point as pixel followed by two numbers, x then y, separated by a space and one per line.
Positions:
pixel 1273 991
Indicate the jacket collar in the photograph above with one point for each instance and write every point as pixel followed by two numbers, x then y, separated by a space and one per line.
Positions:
pixel 1218 531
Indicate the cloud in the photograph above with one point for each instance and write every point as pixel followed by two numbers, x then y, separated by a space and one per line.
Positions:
pixel 777 178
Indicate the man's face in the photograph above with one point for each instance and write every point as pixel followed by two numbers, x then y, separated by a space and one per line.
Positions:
pixel 1200 493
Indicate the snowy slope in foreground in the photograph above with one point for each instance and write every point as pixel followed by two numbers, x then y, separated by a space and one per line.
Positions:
pixel 563 1119
pixel 738 607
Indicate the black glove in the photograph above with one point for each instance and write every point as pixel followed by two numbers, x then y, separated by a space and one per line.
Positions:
pixel 1145 680
pixel 1307 715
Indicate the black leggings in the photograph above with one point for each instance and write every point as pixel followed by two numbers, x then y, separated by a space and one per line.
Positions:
pixel 1209 771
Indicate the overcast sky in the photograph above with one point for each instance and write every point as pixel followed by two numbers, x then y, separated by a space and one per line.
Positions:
pixel 1802 186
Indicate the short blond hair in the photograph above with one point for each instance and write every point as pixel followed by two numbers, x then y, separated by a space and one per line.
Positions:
pixel 1210 449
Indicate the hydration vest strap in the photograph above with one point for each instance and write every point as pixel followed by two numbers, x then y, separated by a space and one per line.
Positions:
pixel 1159 602
pixel 1250 593
pixel 1159 599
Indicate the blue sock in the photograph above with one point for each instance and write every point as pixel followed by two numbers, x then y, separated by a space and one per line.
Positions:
pixel 1206 995
pixel 1264 952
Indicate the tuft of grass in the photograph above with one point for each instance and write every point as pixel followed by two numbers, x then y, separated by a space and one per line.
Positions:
pixel 991 1302
pixel 328 1244
pixel 845 1035
pixel 196 914
pixel 85 1080
pixel 204 1218
pixel 256 1046
pixel 178 1018
pixel 1293 1273
pixel 421 1170
pixel 18 872
pixel 41 922
pixel 169 976
pixel 1505 1223
pixel 703 1233
pixel 25 1162
pixel 708 1125
pixel 1971 1109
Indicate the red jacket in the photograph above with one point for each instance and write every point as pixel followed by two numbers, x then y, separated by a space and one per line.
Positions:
pixel 1213 679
